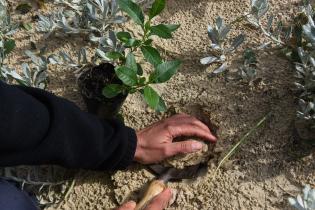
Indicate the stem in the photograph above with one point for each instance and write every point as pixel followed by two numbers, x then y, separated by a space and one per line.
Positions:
pixel 67 194
pixel 239 19
pixel 29 182
pixel 243 139
pixel 270 36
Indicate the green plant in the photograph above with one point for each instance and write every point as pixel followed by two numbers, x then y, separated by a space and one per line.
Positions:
pixel 7 44
pixel 34 76
pixel 305 202
pixel 305 74
pixel 248 70
pixel 219 36
pixel 92 17
pixel 121 47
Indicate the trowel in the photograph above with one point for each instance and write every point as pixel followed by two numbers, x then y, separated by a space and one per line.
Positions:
pixel 167 174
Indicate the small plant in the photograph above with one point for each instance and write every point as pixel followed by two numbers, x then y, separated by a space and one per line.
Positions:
pixel 92 17
pixel 219 36
pixel 7 44
pixel 305 73
pixel 120 49
pixel 259 8
pixel 248 70
pixel 122 53
pixel 306 201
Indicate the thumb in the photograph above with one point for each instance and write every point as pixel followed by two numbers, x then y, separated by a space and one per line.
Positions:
pixel 160 202
pixel 184 147
pixel 130 205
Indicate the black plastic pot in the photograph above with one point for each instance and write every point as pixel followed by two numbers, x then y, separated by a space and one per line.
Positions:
pixel 91 83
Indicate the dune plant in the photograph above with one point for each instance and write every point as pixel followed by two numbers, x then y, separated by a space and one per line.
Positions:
pixel 305 74
pixel 34 76
pixel 92 17
pixel 219 50
pixel 305 201
pixel 248 70
pixel 7 43
pixel 296 40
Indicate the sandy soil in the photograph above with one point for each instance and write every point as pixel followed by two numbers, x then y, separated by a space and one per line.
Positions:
pixel 261 175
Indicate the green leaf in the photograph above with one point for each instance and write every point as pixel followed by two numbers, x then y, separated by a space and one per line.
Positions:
pixel 132 43
pixel 123 36
pixel 151 55
pixel 161 107
pixel 112 90
pixel 151 97
pixel 162 31
pixel 139 69
pixel 126 75
pixel 101 54
pixel 148 42
pixel 147 25
pixel 133 10
pixel 113 55
pixel 157 7
pixel 132 90
pixel 8 45
pixel 27 26
pixel 142 81
pixel 166 70
pixel 131 62
pixel 172 27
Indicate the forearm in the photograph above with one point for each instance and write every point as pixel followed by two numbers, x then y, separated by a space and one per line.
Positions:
pixel 39 128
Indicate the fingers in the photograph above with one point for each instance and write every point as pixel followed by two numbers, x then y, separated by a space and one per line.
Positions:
pixel 131 205
pixel 187 119
pixel 183 147
pixel 185 125
pixel 161 201
pixel 191 130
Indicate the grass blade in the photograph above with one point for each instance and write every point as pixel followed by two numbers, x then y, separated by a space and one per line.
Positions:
pixel 238 144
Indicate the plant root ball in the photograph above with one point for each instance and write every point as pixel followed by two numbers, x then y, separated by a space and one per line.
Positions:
pixel 206 153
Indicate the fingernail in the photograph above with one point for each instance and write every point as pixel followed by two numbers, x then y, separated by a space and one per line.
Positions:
pixel 196 146
pixel 173 192
pixel 169 190
pixel 131 204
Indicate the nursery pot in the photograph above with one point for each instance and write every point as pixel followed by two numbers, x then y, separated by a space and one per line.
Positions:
pixel 91 83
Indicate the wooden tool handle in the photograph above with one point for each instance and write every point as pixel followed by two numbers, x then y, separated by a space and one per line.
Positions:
pixel 155 188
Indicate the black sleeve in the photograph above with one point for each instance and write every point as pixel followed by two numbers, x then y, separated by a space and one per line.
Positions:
pixel 37 128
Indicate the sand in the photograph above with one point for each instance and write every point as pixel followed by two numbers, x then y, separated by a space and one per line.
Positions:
pixel 262 174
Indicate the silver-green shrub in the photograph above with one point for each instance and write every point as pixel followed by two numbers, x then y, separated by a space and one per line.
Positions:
pixel 305 201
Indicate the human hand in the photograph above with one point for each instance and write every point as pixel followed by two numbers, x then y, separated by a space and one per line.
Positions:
pixel 155 143
pixel 159 202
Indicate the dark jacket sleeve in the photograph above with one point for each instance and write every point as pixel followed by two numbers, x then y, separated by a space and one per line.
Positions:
pixel 37 128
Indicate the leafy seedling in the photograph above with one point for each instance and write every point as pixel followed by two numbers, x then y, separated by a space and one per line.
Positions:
pixel 219 36
pixel 248 70
pixel 120 47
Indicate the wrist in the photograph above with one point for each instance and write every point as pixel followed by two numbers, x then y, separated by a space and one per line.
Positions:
pixel 138 153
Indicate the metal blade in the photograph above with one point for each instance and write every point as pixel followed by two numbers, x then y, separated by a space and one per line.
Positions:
pixel 174 174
